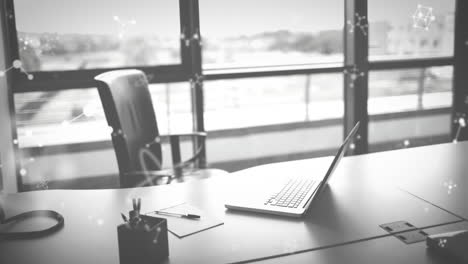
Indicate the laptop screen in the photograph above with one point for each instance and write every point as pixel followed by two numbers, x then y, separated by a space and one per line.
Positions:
pixel 338 156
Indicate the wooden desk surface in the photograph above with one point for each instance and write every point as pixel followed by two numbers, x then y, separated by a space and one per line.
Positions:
pixel 357 201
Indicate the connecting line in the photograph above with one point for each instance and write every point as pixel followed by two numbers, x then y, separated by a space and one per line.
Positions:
pixel 461 124
pixel 17 64
pixel 423 17
pixel 360 23
pixel 123 25
pixel 441 208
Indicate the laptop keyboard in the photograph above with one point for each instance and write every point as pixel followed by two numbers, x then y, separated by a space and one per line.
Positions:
pixel 292 194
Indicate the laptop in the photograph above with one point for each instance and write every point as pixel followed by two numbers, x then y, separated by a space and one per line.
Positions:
pixel 290 196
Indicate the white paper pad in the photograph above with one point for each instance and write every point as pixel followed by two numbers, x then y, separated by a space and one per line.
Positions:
pixel 182 227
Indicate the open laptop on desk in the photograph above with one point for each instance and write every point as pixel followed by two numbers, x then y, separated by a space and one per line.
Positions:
pixel 293 196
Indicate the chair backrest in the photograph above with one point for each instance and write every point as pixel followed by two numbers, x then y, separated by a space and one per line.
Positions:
pixel 129 111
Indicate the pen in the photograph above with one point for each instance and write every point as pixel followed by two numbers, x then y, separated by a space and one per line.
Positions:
pixel 188 216
pixel 124 217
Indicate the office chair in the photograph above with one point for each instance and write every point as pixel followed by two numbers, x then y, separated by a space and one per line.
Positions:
pixel 128 108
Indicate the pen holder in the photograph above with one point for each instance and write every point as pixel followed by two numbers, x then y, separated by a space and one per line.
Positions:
pixel 145 243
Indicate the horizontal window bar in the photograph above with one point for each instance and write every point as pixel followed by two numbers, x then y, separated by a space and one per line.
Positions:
pixel 77 79
pixel 52 81
pixel 410 63
pixel 235 73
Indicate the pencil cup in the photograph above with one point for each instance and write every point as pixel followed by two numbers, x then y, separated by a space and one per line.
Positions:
pixel 145 242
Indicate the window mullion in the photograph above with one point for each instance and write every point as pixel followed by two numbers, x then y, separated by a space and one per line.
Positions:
pixel 460 78
pixel 356 49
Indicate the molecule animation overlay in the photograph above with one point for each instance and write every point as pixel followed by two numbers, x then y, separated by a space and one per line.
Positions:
pixel 123 25
pixel 423 17
pixel 461 121
pixel 354 73
pixel 17 64
pixel 88 111
pixel 360 23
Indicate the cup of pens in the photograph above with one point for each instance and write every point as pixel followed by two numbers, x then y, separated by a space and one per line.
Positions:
pixel 142 239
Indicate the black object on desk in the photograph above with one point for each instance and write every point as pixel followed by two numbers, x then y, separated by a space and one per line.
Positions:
pixel 453 245
pixel 142 239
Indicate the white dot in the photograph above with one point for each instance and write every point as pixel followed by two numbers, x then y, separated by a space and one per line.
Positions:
pixel 17 64
pixel 23 172
pixel 15 141
pixel 30 77
pixel 462 122
pixel 406 143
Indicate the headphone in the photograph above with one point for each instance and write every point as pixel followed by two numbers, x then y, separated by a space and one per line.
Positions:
pixel 31 214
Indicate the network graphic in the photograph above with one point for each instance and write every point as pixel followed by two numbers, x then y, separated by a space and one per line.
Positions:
pixel 423 17
pixel 42 185
pixel 360 23
pixel 450 185
pixel 354 73
pixel 442 242
pixel 124 25
pixel 187 40
pixel 88 111
pixel 196 80
pixel 461 121
pixel 17 64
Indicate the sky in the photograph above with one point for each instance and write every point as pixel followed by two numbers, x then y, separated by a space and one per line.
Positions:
pixel 219 18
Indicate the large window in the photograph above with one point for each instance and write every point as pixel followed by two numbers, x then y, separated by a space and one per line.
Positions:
pixel 74 35
pixel 274 80
pixel 270 32
pixel 412 102
pixel 251 102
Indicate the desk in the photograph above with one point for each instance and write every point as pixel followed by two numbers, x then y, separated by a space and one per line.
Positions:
pixel 386 250
pixel 359 199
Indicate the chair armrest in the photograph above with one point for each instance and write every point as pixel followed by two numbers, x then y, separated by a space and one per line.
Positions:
pixel 174 140
pixel 152 177
pixel 191 134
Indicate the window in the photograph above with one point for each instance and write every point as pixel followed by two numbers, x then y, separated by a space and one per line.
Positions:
pixel 262 86
pixel 413 103
pixel 405 29
pixel 393 91
pixel 245 34
pixel 410 101
pixel 69 128
pixel 76 116
pixel 273 74
pixel 70 35
pixel 264 101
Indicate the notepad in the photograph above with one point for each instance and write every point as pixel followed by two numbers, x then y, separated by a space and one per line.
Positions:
pixel 182 227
